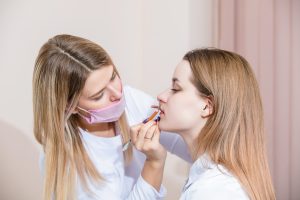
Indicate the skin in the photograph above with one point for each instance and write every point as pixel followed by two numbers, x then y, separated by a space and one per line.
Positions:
pixel 103 88
pixel 145 138
pixel 184 109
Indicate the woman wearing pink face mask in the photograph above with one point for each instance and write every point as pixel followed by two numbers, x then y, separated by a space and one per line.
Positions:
pixel 82 114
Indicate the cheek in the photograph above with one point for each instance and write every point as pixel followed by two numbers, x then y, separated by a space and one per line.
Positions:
pixel 179 118
pixel 91 105
pixel 118 83
pixel 170 121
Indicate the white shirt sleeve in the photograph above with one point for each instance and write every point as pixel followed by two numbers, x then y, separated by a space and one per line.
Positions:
pixel 138 108
pixel 175 145
pixel 143 190
pixel 42 163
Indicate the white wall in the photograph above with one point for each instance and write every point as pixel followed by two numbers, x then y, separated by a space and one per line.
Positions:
pixel 146 39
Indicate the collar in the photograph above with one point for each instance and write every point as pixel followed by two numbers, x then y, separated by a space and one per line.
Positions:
pixel 202 164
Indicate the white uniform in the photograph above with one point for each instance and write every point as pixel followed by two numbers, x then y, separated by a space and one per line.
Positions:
pixel 209 181
pixel 125 182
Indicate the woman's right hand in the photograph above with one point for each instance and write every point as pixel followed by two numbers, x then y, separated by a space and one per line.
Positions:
pixel 145 138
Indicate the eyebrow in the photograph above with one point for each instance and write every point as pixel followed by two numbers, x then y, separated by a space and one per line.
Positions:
pixel 175 80
pixel 97 93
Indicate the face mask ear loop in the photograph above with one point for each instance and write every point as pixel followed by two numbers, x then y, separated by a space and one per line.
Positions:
pixel 84 111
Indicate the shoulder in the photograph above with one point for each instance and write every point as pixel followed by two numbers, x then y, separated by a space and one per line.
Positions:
pixel 136 94
pixel 217 184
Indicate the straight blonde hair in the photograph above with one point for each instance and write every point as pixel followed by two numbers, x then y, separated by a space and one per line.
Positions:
pixel 233 135
pixel 60 72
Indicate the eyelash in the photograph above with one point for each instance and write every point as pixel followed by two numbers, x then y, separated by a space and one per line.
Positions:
pixel 112 78
pixel 98 98
pixel 174 90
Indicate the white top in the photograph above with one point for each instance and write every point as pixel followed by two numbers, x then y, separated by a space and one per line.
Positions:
pixel 125 182
pixel 210 181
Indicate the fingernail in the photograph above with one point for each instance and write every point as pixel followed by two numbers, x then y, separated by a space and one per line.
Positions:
pixel 157 119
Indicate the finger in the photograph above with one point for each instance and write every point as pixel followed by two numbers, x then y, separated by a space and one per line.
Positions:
pixel 144 129
pixel 141 135
pixel 134 131
pixel 150 132
pixel 156 134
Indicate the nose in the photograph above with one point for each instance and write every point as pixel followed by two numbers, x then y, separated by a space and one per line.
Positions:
pixel 115 92
pixel 163 97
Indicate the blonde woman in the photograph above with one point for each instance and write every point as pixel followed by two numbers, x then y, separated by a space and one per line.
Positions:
pixel 214 104
pixel 82 112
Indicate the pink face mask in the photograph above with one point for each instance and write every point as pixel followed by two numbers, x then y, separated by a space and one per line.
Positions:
pixel 108 114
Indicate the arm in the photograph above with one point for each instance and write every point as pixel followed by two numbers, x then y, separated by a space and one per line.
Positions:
pixel 143 190
pixel 153 173
pixel 145 138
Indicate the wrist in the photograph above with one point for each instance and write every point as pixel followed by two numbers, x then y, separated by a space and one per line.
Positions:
pixel 156 163
pixel 152 173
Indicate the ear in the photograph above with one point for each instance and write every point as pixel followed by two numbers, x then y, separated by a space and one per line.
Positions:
pixel 207 109
pixel 74 111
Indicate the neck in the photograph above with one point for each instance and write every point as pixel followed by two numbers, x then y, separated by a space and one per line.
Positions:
pixel 99 129
pixel 191 139
pixel 191 143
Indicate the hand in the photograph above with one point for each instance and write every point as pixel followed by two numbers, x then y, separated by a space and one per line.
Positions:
pixel 145 138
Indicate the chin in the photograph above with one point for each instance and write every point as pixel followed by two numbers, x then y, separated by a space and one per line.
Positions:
pixel 162 126
pixel 166 127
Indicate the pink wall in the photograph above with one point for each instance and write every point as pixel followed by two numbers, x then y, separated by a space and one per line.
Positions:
pixel 266 33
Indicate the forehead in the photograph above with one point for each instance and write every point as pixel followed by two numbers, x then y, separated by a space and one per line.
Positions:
pixel 97 80
pixel 183 71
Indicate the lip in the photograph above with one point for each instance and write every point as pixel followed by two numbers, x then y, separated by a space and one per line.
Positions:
pixel 159 108
pixel 162 112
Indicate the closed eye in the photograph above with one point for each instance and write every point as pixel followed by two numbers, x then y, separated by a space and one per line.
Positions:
pixel 174 90
pixel 98 97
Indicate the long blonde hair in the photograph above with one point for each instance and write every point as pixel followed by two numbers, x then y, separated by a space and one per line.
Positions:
pixel 61 69
pixel 233 135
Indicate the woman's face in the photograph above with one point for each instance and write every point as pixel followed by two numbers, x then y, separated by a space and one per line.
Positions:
pixel 181 105
pixel 102 88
